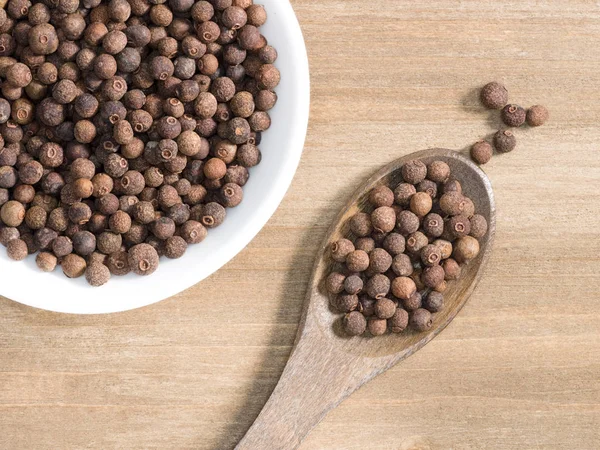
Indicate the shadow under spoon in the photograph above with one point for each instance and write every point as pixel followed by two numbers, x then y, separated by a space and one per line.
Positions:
pixel 325 367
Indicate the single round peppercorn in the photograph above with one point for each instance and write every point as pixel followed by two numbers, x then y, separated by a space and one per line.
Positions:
pixel 434 302
pixel 403 287
pixel 8 177
pixel 143 259
pixel 378 286
pixel 452 203
pixel 513 115
pixel 108 242
pixel 341 249
pixel 414 171
pixel 394 244
pixel 494 95
pixel 505 141
pixel 58 220
pixel 16 249
pixel 407 222
pixel 458 226
pixel 421 320
pixel 346 303
pixel 413 303
pixel 50 112
pixel 383 219
pixel 421 203
pixel 353 284
pixel 97 274
pixel 537 116
pixel 36 217
pixel 18 75
pixel 335 282
pixel 62 246
pixel 357 261
pixel 466 248
pixel 105 66
pixel 431 255
pixel 84 243
pixel 7 234
pixel 43 39
pixel 79 213
pixel 248 155
pixel 118 263
pixel 381 196
pixel 193 232
pixel 73 265
pixel 429 187
pixel 403 193
pixel 399 321
pixel 366 244
pixel 46 262
pixel 479 226
pixel 452 269
pixel 354 323
pixel 360 224
pixel 482 152
pixel 385 308
pixel 213 215
pixel 12 213
pixel 379 261
pixel 377 327
pixel 432 276
pixel 433 225
pixel 438 171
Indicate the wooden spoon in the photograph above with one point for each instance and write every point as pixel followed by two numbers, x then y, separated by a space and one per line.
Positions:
pixel 325 366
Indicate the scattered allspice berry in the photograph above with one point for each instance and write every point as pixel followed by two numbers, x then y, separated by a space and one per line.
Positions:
pixel 494 95
pixel 513 115
pixel 537 116
pixel 482 152
pixel 505 141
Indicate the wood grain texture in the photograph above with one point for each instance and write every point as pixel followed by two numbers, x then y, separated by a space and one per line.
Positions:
pixel 325 365
pixel 518 368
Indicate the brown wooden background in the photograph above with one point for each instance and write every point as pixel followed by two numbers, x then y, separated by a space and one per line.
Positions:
pixel 518 369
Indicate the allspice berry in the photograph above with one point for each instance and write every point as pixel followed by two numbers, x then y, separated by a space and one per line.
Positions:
pixel 355 323
pixel 378 286
pixel 97 274
pixel 438 171
pixel 335 282
pixel 394 244
pixel 414 171
pixel 353 284
pixel 16 249
pixel 360 224
pixel 494 95
pixel 403 193
pixel 479 226
pixel 505 141
pixel 537 116
pixel 407 222
pixel 445 247
pixel 458 226
pixel 46 262
pixel 431 255
pixel 402 265
pixel 421 203
pixel 415 242
pixel 73 265
pixel 341 249
pixel 377 327
pixel 143 259
pixel 513 115
pixel 452 269
pixel 385 308
pixel 421 320
pixel 383 219
pixel 357 261
pixel 379 261
pixel 433 225
pixel 366 244
pixel 12 213
pixel 465 249
pixel 432 276
pixel 347 302
pixel 452 203
pixel 482 152
pixel 434 302
pixel 381 196
pixel 403 287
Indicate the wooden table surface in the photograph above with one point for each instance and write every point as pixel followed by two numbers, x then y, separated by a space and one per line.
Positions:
pixel 519 368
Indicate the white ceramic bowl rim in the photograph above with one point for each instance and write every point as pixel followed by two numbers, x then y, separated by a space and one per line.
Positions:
pixel 281 146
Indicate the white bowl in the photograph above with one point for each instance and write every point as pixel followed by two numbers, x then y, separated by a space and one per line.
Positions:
pixel 281 148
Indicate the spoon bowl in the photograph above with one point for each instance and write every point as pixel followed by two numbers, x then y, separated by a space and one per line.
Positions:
pixel 326 366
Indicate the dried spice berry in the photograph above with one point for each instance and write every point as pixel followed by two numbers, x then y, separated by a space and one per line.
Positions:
pixel 97 274
pixel 434 302
pixel 378 286
pixel 478 225
pixel 360 224
pixel 73 265
pixel 445 247
pixel 399 321
pixel 335 282
pixel 452 203
pixel 431 255
pixel 432 276
pixel 384 308
pixel 402 265
pixel 414 171
pixel 379 261
pixel 353 284
pixel 377 327
pixel 357 261
pixel 403 287
pixel 465 249
pixel 354 323
pixel 383 219
pixel 366 244
pixel 347 303
pixel 537 116
pixel 415 242
pixel 341 249
pixel 407 223
pixel 513 115
pixel 504 141
pixel 421 203
pixel 494 95
pixel 482 152
pixel 458 226
pixel 452 269
pixel 381 196
pixel 394 244
pixel 421 320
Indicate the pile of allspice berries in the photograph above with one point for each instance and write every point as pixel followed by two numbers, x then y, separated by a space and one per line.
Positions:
pixel 127 127
pixel 394 270
pixel 494 96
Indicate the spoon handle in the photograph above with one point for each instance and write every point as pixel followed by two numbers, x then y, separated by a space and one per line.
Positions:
pixel 315 380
